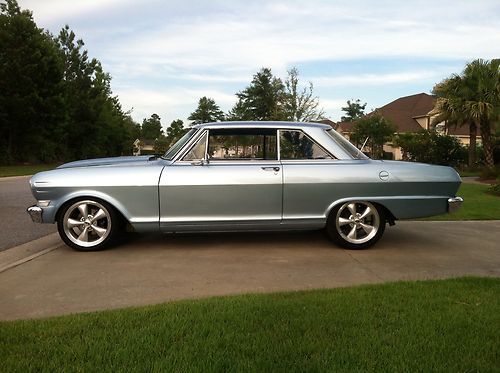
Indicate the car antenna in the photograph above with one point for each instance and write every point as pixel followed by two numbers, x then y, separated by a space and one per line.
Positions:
pixel 363 146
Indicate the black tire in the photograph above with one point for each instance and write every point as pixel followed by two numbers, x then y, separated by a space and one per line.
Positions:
pixel 108 225
pixel 342 222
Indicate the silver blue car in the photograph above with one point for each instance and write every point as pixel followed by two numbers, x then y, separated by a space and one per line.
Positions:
pixel 238 176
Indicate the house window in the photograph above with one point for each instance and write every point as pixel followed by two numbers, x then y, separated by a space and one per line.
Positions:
pixel 296 145
pixel 233 144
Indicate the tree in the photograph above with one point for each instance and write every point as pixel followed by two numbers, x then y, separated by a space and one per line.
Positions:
pixel 450 108
pixel 207 111
pixel 94 123
pixel 175 131
pixel 377 129
pixel 82 100
pixel 56 103
pixel 261 100
pixel 30 88
pixel 354 110
pixel 151 128
pixel 300 105
pixel 239 112
pixel 473 97
pixel 483 78
pixel 161 145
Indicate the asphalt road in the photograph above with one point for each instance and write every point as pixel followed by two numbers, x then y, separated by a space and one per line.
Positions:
pixel 152 269
pixel 17 227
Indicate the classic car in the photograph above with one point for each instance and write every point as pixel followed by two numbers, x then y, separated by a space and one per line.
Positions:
pixel 242 176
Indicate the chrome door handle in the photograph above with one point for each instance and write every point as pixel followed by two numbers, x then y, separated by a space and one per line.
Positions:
pixel 275 169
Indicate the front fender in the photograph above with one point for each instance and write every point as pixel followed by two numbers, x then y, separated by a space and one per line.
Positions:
pixel 132 190
pixel 56 206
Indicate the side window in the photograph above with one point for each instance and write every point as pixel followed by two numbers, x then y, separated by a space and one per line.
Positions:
pixel 296 145
pixel 228 144
pixel 197 152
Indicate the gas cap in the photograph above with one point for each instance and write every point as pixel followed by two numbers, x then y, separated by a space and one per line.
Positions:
pixel 383 175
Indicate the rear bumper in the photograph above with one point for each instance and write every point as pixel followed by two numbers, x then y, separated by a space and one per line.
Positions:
pixel 35 213
pixel 454 204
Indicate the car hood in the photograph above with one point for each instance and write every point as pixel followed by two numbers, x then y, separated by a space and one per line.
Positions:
pixel 109 161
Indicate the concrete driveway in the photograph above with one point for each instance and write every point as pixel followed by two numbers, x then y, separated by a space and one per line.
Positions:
pixel 152 269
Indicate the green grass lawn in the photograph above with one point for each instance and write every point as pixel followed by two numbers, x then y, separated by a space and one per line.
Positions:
pixel 449 325
pixel 21 170
pixel 478 205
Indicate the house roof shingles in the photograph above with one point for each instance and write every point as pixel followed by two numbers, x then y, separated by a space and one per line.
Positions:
pixel 404 111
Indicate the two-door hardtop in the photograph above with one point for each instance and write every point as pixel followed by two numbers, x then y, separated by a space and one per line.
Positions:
pixel 242 176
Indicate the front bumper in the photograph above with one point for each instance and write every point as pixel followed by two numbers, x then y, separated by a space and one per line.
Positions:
pixel 454 204
pixel 35 213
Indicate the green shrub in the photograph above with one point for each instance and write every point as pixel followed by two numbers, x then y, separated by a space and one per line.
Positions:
pixel 494 189
pixel 431 147
pixel 490 173
pixel 496 149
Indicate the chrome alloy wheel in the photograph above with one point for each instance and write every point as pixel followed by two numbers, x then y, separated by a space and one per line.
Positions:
pixel 87 223
pixel 357 221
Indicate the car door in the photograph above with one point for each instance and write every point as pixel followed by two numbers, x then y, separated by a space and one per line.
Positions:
pixel 229 179
pixel 307 170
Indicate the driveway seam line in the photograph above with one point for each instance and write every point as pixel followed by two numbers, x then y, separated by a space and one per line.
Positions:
pixel 363 265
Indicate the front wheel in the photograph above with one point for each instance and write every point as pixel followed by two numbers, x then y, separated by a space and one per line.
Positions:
pixel 87 224
pixel 356 224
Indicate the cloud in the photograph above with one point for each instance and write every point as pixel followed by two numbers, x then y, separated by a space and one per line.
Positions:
pixel 237 38
pixel 328 104
pixel 164 55
pixel 282 34
pixel 170 103
pixel 63 11
pixel 376 79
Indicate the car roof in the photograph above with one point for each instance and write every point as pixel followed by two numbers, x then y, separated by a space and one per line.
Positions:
pixel 261 124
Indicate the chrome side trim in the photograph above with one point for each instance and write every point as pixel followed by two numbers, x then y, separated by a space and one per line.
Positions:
pixel 35 213
pixel 454 204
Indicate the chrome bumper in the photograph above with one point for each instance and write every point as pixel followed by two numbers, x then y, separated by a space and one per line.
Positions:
pixel 36 213
pixel 454 204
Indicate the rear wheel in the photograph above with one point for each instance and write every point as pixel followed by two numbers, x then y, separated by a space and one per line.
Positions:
pixel 87 224
pixel 356 224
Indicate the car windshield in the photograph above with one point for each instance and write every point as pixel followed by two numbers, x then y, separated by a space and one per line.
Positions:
pixel 174 149
pixel 346 145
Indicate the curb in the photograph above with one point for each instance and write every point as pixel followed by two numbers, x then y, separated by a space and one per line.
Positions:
pixel 21 254
pixel 27 259
pixel 9 178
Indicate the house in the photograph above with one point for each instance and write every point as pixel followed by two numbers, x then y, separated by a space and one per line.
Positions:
pixel 411 114
pixel 143 146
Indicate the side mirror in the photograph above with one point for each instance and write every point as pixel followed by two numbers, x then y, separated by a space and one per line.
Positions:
pixel 201 162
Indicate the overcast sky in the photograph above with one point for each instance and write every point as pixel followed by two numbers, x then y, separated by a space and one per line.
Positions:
pixel 164 55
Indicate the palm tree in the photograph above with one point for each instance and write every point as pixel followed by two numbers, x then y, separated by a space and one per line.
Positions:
pixel 483 107
pixel 472 98
pixel 452 94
